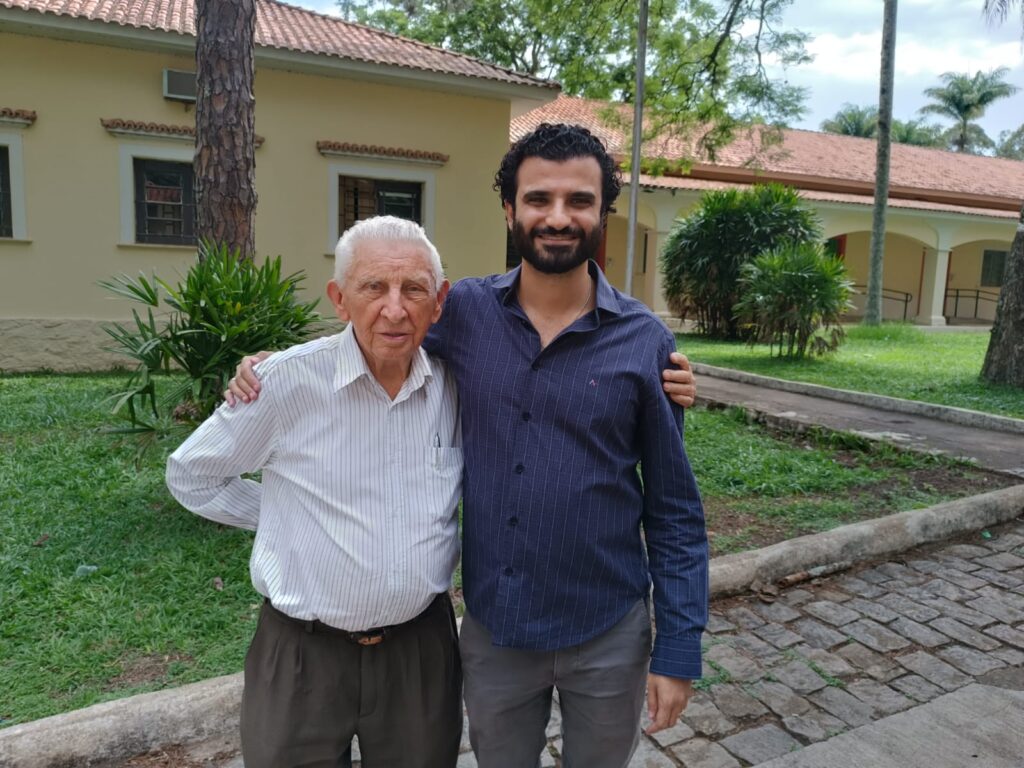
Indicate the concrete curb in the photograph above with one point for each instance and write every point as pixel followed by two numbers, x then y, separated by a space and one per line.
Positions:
pixel 104 733
pixel 946 413
pixel 840 548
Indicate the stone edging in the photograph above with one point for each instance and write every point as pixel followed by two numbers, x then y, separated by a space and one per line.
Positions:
pixel 104 733
pixel 961 416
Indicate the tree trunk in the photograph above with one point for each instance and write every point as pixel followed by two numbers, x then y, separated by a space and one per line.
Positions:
pixel 873 307
pixel 1004 361
pixel 225 160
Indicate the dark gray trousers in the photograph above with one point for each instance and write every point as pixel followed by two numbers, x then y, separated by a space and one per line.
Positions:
pixel 601 688
pixel 307 693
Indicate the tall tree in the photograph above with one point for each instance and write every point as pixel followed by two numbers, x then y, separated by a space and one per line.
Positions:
pixel 873 306
pixel 705 63
pixel 853 120
pixel 964 98
pixel 1011 144
pixel 1004 359
pixel 225 159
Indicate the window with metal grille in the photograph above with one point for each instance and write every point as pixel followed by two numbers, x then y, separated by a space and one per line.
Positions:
pixel 6 221
pixel 365 198
pixel 993 265
pixel 165 206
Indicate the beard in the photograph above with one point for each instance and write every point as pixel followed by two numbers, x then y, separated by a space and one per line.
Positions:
pixel 556 260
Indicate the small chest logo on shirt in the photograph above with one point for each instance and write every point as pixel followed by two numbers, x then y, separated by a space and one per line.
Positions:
pixel 593 383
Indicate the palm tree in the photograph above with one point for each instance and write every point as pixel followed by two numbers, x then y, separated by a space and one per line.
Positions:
pixel 917 132
pixel 964 98
pixel 853 120
pixel 1004 359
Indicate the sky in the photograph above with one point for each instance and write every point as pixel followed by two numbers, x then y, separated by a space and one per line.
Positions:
pixel 932 37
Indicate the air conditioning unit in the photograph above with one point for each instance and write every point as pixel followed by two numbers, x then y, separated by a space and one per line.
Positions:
pixel 179 86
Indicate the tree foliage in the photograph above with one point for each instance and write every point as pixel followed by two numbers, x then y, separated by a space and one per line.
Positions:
pixel 1011 144
pixel 793 297
pixel 705 252
pixel 706 73
pixel 963 98
pixel 853 120
pixel 918 133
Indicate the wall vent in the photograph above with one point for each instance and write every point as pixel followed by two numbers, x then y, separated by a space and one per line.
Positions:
pixel 179 86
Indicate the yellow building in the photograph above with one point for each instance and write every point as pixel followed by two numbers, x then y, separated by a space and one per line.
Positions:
pixel 97 139
pixel 951 217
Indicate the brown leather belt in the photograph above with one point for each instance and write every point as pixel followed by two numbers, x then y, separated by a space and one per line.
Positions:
pixel 374 636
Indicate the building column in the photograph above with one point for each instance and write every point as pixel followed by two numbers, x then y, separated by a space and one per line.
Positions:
pixel 933 285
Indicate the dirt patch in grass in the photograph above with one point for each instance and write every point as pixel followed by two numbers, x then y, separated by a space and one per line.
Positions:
pixel 145 669
pixel 738 524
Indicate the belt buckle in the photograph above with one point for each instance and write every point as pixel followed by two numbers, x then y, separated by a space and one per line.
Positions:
pixel 375 638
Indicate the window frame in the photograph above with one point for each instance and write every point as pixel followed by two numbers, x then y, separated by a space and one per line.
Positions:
pixel 128 152
pixel 11 140
pixel 380 171
pixel 188 201
pixel 1002 275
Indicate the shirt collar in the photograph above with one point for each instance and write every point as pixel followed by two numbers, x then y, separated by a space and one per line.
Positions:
pixel 352 365
pixel 504 286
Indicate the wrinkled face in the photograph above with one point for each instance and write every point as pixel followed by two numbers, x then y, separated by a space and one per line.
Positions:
pixel 556 222
pixel 390 298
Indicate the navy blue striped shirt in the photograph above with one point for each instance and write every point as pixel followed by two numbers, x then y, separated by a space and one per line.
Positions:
pixel 553 502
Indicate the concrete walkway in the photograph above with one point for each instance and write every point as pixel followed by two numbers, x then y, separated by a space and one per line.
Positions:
pixel 1001 451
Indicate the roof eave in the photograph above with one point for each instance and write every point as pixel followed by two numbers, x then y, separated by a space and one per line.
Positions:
pixel 76 29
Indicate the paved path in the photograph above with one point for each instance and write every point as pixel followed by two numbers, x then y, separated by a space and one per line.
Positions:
pixel 909 659
pixel 993 450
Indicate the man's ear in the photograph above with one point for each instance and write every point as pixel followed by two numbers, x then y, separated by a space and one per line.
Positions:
pixel 510 215
pixel 442 294
pixel 337 298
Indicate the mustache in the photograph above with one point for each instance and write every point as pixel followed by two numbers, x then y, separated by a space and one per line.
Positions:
pixel 551 231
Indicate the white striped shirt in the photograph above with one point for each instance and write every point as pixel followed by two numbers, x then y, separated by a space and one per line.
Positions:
pixel 355 517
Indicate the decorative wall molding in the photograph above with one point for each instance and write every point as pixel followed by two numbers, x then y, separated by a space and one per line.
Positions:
pixel 348 149
pixel 17 117
pixel 120 127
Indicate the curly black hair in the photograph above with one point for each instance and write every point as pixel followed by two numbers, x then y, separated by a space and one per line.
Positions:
pixel 558 141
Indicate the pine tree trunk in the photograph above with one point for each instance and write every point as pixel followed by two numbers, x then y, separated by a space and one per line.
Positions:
pixel 225 160
pixel 1004 361
pixel 873 307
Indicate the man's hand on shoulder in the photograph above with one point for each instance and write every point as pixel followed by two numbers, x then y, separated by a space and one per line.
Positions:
pixel 667 697
pixel 679 382
pixel 244 386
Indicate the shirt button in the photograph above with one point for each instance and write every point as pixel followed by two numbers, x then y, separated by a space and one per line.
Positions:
pixel 509 571
pixel 513 521
pixel 526 416
pixel 520 469
pixel 535 367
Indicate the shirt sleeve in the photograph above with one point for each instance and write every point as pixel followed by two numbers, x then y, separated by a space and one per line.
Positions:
pixel 436 342
pixel 674 529
pixel 204 473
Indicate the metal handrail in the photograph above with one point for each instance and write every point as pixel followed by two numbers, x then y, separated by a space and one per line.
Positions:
pixel 977 294
pixel 891 294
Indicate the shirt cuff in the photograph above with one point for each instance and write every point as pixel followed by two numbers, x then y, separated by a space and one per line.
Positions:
pixel 677 657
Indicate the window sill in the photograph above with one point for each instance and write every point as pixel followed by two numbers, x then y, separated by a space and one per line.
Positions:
pixel 156 247
pixel 14 241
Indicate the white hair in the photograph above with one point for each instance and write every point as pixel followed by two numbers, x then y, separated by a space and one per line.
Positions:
pixel 387 228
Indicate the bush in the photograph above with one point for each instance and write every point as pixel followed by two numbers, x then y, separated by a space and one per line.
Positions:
pixel 225 308
pixel 705 252
pixel 789 294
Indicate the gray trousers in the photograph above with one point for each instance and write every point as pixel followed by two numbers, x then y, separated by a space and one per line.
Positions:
pixel 601 687
pixel 307 693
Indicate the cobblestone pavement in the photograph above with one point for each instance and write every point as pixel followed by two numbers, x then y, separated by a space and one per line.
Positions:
pixel 821 658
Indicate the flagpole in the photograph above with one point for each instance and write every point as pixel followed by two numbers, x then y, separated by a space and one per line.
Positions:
pixel 634 166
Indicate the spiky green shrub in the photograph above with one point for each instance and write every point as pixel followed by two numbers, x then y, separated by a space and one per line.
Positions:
pixel 224 308
pixel 705 252
pixel 793 298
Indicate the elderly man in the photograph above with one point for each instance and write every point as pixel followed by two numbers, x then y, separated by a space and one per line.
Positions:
pixel 358 441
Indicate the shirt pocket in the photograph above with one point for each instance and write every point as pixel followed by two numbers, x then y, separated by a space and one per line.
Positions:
pixel 445 462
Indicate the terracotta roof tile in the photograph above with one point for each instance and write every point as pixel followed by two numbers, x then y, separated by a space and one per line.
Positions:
pixel 347 148
pixel 283 26
pixel 119 125
pixel 17 115
pixel 808 158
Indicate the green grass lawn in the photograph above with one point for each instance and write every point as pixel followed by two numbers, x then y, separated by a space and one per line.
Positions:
pixel 108 587
pixel 895 359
